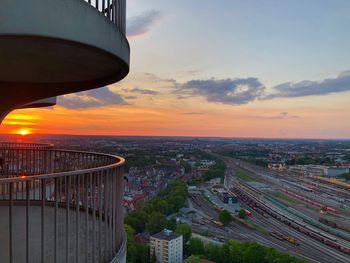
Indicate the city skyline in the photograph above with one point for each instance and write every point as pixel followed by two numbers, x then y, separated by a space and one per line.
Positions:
pixel 238 69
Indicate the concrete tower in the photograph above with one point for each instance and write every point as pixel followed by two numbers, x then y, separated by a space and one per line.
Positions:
pixel 57 205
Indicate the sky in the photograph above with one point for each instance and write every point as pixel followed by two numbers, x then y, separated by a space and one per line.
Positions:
pixel 227 68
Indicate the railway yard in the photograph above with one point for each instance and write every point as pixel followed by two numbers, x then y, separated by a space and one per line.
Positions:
pixel 304 216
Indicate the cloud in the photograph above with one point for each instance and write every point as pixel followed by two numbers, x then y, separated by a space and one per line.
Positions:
pixel 193 113
pixel 141 24
pixel 142 91
pixel 282 115
pixel 341 83
pixel 226 91
pixel 91 98
pixel 130 97
pixel 245 90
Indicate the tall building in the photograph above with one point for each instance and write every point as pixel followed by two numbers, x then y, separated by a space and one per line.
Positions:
pixel 167 247
pixel 59 205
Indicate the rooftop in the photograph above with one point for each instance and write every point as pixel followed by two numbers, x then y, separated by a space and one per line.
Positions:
pixel 166 235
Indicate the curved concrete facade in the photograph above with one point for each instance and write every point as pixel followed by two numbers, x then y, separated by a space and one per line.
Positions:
pixel 54 47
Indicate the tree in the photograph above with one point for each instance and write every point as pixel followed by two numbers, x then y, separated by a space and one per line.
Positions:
pixel 193 259
pixel 231 252
pixel 195 246
pixel 184 230
pixel 225 217
pixel 142 253
pixel 137 220
pixel 215 171
pixel 253 252
pixel 171 223
pixel 156 222
pixel 160 205
pixel 131 248
pixel 153 257
pixel 213 252
pixel 242 214
pixel 186 165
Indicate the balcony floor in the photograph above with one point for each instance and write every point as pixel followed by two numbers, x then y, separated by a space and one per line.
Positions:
pixel 19 235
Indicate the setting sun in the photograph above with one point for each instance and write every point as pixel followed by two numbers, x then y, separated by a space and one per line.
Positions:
pixel 23 132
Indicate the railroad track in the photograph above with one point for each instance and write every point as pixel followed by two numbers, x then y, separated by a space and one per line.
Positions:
pixel 252 199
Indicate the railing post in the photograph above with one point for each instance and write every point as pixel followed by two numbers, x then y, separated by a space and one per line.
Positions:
pixel 67 185
pixel 56 222
pixel 77 225
pixel 10 222
pixel 43 196
pixel 27 219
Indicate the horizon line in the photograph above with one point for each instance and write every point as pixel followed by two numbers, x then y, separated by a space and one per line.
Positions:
pixel 177 136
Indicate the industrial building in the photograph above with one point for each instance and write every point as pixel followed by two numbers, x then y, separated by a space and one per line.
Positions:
pixel 318 170
pixel 227 198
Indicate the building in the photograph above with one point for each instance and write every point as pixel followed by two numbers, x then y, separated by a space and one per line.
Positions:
pixel 224 195
pixel 336 171
pixel 227 198
pixel 297 169
pixel 167 247
pixel 279 166
pixel 319 170
pixel 58 205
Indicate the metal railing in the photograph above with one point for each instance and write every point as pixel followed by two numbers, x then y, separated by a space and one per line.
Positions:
pixel 61 206
pixel 11 145
pixel 114 10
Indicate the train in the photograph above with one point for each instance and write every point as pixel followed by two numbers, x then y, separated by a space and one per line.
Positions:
pixel 309 220
pixel 282 237
pixel 333 181
pixel 277 235
pixel 242 221
pixel 327 222
pixel 248 213
pixel 308 201
pixel 218 223
pixel 298 185
pixel 295 224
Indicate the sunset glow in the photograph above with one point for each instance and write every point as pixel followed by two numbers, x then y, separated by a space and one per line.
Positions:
pixel 222 87
pixel 23 132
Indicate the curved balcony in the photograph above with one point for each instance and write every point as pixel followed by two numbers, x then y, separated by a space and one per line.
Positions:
pixel 54 47
pixel 60 206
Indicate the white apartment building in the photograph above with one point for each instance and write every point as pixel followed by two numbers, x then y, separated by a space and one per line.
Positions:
pixel 167 247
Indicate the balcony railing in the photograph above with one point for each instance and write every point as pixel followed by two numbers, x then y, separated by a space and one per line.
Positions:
pixel 20 145
pixel 60 206
pixel 114 10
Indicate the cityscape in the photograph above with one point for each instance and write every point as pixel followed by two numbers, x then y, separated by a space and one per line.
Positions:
pixel 274 195
pixel 174 131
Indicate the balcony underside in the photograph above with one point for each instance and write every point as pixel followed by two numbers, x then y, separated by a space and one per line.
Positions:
pixel 61 67
pixel 40 103
pixel 54 47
